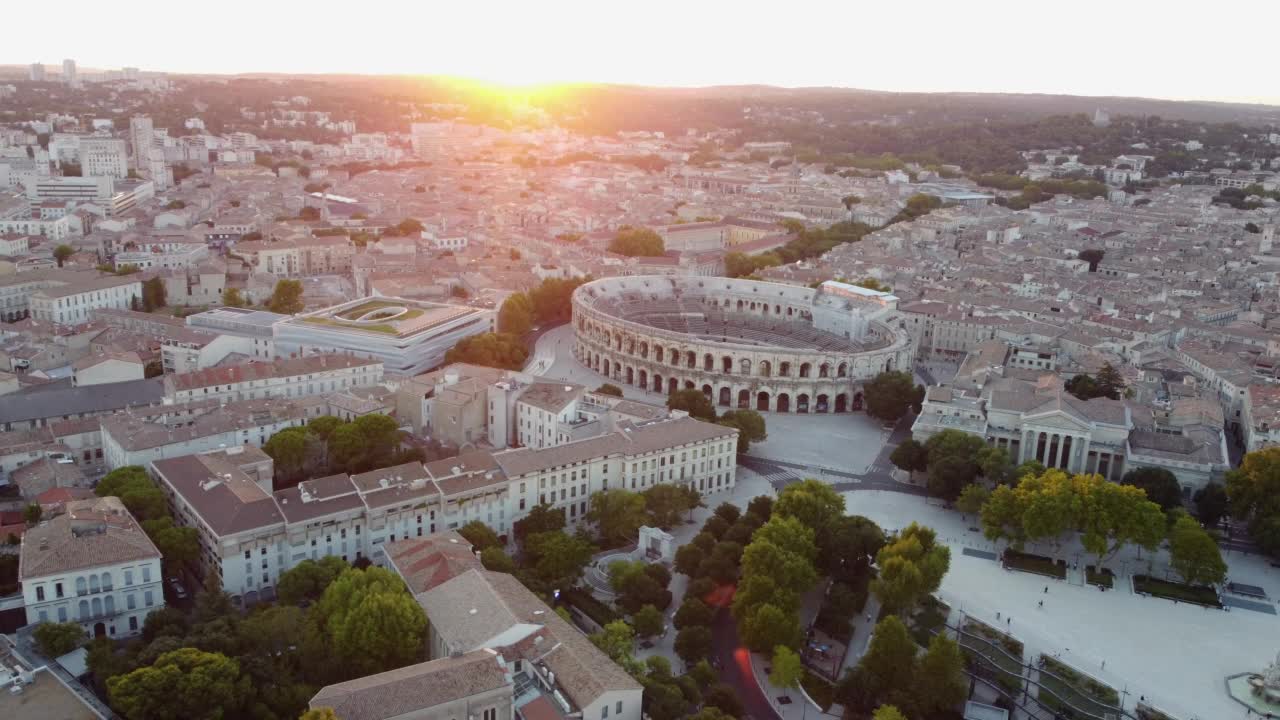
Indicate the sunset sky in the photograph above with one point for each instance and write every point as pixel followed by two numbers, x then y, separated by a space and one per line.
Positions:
pixel 1149 48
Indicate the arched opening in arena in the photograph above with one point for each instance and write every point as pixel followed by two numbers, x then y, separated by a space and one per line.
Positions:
pixel 744 399
pixel 842 403
pixel 762 401
pixel 784 403
pixel 822 404
pixel 725 396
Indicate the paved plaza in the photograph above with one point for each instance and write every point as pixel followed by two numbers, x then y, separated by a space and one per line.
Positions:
pixel 1177 656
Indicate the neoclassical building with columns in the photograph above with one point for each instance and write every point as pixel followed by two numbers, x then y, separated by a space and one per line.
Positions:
pixel 743 343
pixel 1052 427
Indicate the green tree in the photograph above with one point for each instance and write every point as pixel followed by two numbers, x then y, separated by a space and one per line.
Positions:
pixel 724 697
pixel 1160 486
pixel 995 465
pixel 693 402
pixel 516 314
pixel 325 713
pixel 288 450
pixel 480 536
pixel 154 295
pixel 179 546
pixel 1211 504
pixel 750 424
pixel 693 643
pixel 497 350
pixel 666 503
pixel 890 395
pixel 815 504
pixel 57 639
pixel 910 567
pixel 62 252
pixel 953 462
pixel 493 558
pixel 307 581
pixel 648 621
pixel 1194 555
pixel 617 640
pixel 1253 490
pixel 768 626
pixel 185 683
pixel 846 547
pixel 940 682
pixel 310 214
pixel 972 499
pixel 541 519
pixel 131 484
pixel 636 242
pixel 609 389
pixel 787 669
pixel 286 298
pixel 888 712
pixel 910 456
pixel 692 613
pixel 231 297
pixel 370 622
pixel 888 668
pixel 617 514
pixel 557 559
pixel 32 513
pixel 1110 383
pixel 1093 256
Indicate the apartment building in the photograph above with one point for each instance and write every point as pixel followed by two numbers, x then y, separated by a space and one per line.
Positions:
pixel 545 412
pixel 74 302
pixel 104 157
pixel 701 456
pixel 13 244
pixel 143 434
pixel 280 378
pixel 558 671
pixel 281 259
pixel 94 566
pixel 249 535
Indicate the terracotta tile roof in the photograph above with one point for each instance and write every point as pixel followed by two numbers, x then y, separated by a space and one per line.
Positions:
pixel 94 532
pixel 289 367
pixel 415 688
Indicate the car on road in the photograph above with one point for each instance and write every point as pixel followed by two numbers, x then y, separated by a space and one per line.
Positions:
pixel 179 592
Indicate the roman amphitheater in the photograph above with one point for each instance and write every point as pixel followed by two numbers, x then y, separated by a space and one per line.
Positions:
pixel 743 343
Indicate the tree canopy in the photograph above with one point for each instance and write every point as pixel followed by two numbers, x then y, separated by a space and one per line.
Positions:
pixel 497 350
pixel 286 298
pixel 693 402
pixel 636 242
pixel 890 395
pixel 911 566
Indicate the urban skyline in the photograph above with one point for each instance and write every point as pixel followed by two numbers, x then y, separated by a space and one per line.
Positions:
pixel 932 47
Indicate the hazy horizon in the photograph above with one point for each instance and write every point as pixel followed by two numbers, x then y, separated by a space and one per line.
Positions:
pixel 1137 49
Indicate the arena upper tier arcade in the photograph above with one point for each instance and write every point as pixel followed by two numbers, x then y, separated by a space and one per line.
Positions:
pixel 745 344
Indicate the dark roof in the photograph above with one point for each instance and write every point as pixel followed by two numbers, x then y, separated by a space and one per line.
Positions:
pixel 57 400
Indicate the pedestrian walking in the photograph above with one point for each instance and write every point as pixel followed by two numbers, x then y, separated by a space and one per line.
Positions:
pixel 1104 664
pixel 997 615
pixel 1046 589
pixel 1041 604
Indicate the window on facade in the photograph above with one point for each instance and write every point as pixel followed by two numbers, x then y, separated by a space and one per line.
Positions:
pixel 604 711
pixel 40 593
pixel 146 573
